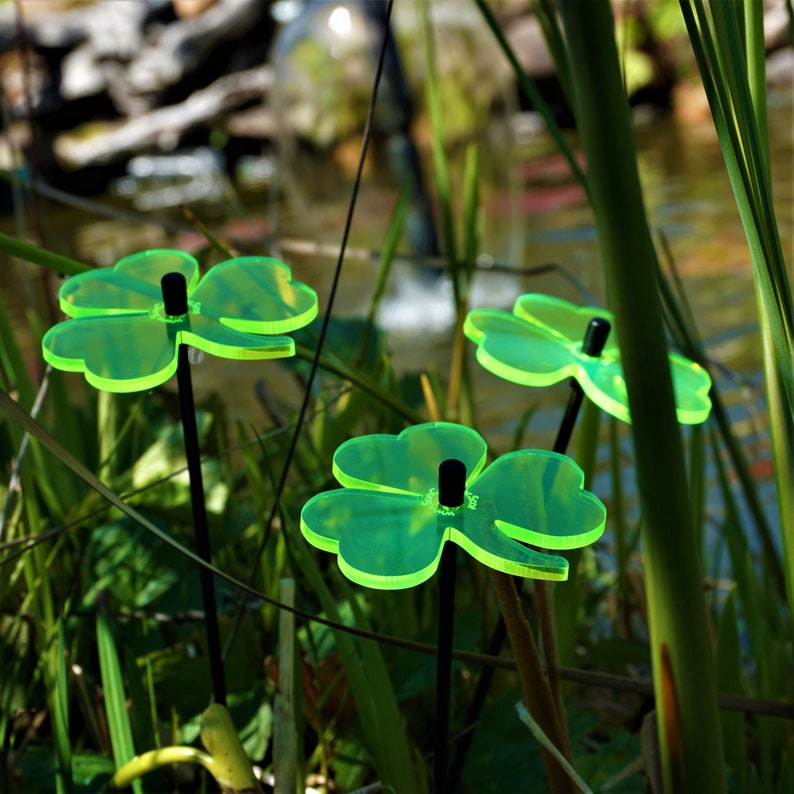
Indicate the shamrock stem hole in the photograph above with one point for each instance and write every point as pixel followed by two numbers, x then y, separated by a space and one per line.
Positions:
pixel 451 482
pixel 174 289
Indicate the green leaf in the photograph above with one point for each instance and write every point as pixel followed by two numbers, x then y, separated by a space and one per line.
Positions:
pixel 131 565
pixel 90 771
pixel 502 756
pixel 350 764
pixel 256 734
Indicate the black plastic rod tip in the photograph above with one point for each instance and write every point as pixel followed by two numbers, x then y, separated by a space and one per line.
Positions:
pixel 451 482
pixel 596 336
pixel 174 289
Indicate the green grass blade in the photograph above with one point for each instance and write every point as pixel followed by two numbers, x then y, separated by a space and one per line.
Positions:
pixel 756 72
pixel 569 599
pixel 60 722
pixel 382 693
pixel 472 218
pixel 459 403
pixel 739 119
pixel 386 397
pixel 39 256
pixel 684 332
pixel 440 165
pixel 620 528
pixel 366 672
pixel 13 372
pixel 27 423
pixel 546 14
pixel 762 625
pixel 734 122
pixel 115 697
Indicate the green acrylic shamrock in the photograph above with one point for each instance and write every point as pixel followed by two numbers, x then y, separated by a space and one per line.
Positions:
pixel 123 341
pixel 540 343
pixel 388 529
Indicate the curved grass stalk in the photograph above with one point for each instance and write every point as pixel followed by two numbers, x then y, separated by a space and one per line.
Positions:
pixel 147 762
pixel 226 760
pixel 39 256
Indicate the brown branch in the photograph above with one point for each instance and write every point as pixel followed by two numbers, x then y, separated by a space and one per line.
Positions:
pixel 537 695
pixel 161 127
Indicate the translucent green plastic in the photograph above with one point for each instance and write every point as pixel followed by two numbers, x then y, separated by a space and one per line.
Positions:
pixel 540 343
pixel 388 530
pixel 122 340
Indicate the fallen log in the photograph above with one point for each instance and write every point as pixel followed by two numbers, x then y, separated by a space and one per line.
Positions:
pixel 162 129
pixel 45 27
pixel 181 46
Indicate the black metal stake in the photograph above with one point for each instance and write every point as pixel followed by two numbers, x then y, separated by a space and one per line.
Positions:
pixel 451 491
pixel 174 290
pixel 594 340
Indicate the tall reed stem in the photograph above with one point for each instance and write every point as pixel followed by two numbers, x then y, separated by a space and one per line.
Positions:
pixel 680 650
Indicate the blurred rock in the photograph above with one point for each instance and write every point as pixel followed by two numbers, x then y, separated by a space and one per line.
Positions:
pixel 780 68
pixel 190 8
pixel 777 30
pixel 173 51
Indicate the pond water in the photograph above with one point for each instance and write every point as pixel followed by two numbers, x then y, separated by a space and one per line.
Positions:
pixel 533 213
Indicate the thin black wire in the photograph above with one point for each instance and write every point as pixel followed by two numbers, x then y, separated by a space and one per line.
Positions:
pixel 367 134
pixel 187 411
pixel 588 678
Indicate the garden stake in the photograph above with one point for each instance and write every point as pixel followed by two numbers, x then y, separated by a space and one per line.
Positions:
pixel 451 490
pixel 174 289
pixel 594 340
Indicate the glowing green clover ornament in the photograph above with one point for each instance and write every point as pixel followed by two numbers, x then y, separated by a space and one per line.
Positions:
pixel 129 330
pixel 540 343
pixel 388 529
pixel 123 339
